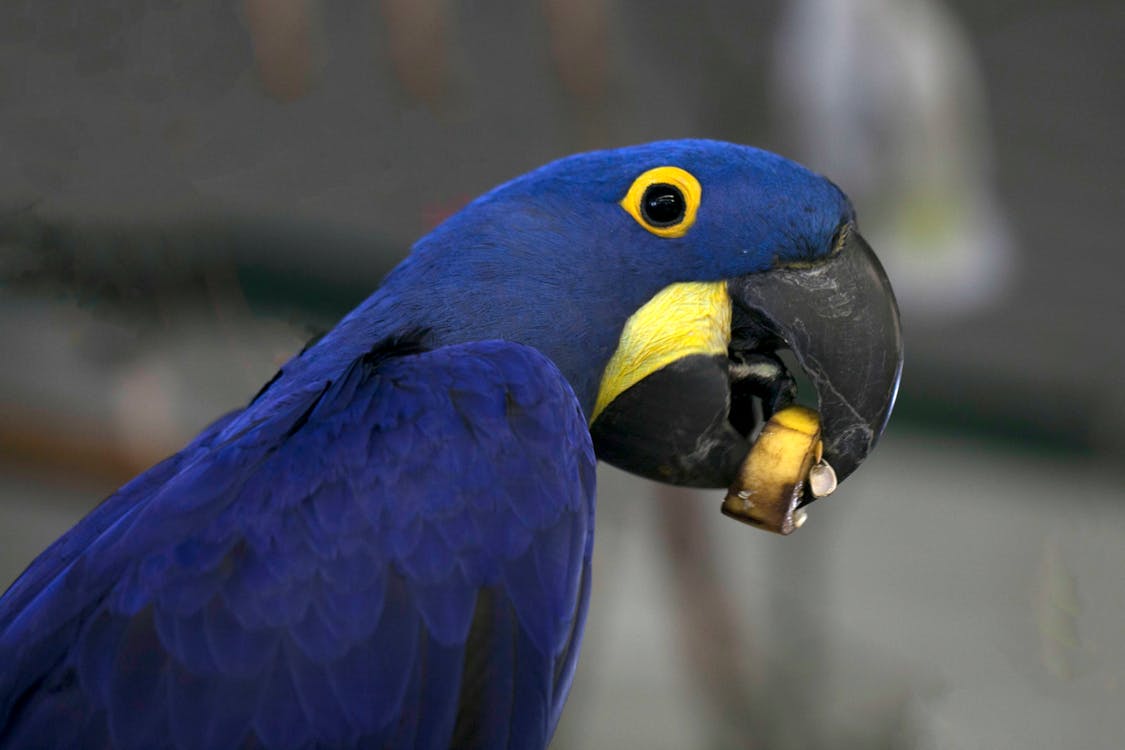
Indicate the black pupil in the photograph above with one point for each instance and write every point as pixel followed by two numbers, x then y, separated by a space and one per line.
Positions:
pixel 663 205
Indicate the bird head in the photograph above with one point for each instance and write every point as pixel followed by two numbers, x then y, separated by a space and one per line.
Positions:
pixel 663 280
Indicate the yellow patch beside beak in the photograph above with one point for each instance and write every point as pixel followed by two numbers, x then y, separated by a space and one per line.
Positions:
pixel 681 320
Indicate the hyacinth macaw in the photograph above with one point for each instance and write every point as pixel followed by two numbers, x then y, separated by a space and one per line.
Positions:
pixel 390 545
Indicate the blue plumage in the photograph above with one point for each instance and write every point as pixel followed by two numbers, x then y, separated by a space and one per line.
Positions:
pixel 390 546
pixel 277 619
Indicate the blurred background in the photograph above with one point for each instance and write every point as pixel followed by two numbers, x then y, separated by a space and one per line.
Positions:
pixel 190 190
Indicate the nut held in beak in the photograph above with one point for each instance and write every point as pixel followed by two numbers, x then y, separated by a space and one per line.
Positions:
pixel 771 481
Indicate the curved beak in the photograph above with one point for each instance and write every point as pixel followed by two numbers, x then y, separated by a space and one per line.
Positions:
pixel 840 319
pixel 693 422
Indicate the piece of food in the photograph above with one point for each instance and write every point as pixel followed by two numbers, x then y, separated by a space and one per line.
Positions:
pixel 771 483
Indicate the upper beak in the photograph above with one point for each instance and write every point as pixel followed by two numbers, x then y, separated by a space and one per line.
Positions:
pixel 692 422
pixel 840 319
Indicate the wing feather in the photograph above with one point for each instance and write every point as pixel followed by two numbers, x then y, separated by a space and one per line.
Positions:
pixel 395 556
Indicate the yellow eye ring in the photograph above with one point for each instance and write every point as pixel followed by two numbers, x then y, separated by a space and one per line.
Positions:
pixel 664 201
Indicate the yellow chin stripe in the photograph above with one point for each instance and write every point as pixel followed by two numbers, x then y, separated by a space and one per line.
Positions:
pixel 682 319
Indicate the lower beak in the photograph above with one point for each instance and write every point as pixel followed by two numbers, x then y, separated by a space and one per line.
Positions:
pixel 692 422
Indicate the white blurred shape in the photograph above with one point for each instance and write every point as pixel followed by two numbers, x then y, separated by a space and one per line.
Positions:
pixel 884 96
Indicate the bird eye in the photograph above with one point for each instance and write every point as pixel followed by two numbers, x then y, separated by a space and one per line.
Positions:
pixel 664 201
pixel 663 205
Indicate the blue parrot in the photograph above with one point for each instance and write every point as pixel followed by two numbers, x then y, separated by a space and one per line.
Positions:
pixel 390 545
